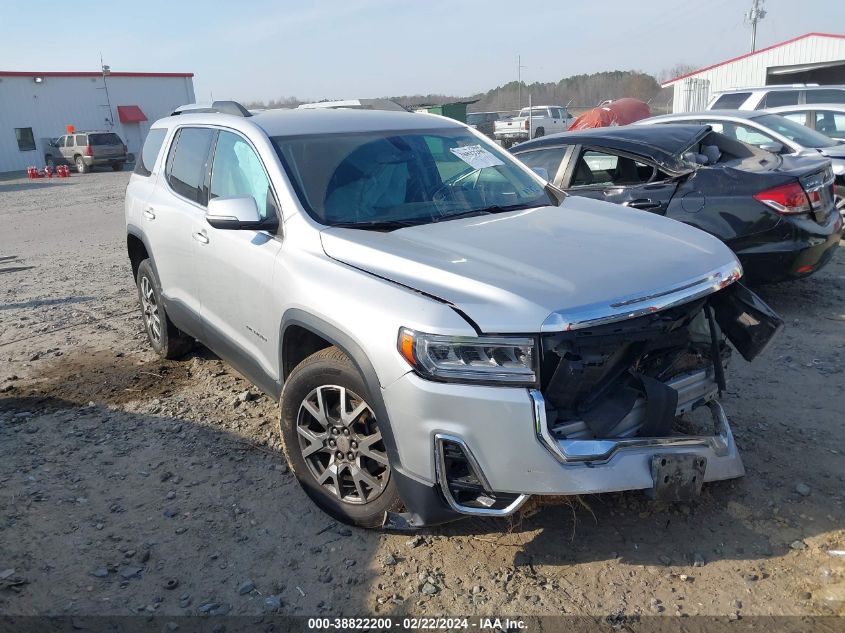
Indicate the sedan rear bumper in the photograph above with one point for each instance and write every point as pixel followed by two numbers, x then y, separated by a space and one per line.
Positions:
pixel 809 249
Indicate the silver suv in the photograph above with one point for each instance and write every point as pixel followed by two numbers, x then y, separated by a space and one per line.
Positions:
pixel 447 334
pixel 85 150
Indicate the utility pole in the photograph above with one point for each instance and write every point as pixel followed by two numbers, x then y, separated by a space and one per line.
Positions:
pixel 754 15
pixel 519 68
pixel 106 70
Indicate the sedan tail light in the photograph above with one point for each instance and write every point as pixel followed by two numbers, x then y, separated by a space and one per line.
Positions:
pixel 785 199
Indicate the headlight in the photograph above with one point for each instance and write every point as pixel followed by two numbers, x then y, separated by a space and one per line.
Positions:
pixel 499 359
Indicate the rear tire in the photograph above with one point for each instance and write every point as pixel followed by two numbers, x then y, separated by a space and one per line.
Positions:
pixel 117 166
pixel 164 337
pixel 333 442
pixel 81 167
pixel 539 132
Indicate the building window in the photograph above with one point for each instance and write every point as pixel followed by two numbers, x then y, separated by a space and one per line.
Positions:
pixel 26 141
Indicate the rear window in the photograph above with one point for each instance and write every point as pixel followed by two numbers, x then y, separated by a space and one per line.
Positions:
pixel 106 138
pixel 186 164
pixel 825 96
pixel 152 146
pixel 731 101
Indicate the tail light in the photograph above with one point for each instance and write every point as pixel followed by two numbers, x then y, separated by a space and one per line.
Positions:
pixel 785 199
pixel 89 150
pixel 525 123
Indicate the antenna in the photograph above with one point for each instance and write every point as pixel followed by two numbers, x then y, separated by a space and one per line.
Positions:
pixel 752 17
pixel 106 70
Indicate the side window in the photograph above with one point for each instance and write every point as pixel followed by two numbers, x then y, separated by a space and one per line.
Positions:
pixel 68 141
pixel 830 95
pixel 186 163
pixel 751 135
pixel 152 146
pixel 237 171
pixel 25 139
pixel 798 117
pixel 600 169
pixel 731 101
pixel 548 159
pixel 828 122
pixel 81 140
pixel 779 98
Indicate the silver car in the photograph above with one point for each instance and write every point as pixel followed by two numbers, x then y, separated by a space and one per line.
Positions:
pixel 447 334
pixel 86 150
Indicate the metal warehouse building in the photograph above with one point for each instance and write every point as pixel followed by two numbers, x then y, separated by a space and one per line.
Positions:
pixel 817 58
pixel 36 106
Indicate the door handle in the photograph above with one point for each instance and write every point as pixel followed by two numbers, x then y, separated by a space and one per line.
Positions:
pixel 642 203
pixel 201 237
pixel 149 213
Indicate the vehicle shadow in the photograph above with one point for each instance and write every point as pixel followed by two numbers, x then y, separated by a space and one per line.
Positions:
pixel 110 510
pixel 34 184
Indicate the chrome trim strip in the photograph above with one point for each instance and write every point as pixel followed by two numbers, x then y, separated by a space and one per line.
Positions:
pixel 440 474
pixel 619 310
pixel 572 452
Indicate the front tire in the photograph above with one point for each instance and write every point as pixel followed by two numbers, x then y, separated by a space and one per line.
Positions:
pixel 333 442
pixel 117 166
pixel 81 167
pixel 50 162
pixel 168 341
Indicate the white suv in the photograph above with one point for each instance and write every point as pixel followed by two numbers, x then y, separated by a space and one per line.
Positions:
pixel 447 333
pixel 775 96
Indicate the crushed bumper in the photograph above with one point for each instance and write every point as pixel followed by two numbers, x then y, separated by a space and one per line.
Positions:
pixel 506 440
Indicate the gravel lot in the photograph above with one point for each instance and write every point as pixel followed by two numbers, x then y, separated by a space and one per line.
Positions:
pixel 132 485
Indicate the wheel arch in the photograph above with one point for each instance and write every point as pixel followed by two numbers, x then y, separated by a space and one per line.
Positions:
pixel 421 499
pixel 138 249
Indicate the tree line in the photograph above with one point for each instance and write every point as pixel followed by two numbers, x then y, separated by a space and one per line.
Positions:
pixel 578 92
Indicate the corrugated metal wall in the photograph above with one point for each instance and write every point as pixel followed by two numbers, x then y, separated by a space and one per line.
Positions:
pixel 48 107
pixel 751 71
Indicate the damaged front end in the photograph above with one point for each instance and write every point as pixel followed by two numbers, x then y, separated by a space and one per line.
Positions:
pixel 650 382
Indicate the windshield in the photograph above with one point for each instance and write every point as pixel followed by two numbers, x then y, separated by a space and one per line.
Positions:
pixel 401 178
pixel 795 132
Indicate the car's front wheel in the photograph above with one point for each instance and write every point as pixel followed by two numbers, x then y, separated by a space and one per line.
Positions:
pixel 168 341
pixel 333 442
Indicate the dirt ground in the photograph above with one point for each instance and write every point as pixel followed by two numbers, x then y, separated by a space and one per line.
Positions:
pixel 132 485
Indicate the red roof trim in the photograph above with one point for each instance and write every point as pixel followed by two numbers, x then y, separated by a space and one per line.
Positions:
pixel 757 52
pixel 15 73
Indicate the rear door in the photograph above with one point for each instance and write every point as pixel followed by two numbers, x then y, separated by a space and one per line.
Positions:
pixel 235 267
pixel 172 220
pixel 621 178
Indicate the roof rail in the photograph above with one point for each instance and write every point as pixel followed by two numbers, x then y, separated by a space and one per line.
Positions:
pixel 223 107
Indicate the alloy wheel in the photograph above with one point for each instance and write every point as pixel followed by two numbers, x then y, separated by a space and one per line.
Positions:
pixel 149 306
pixel 342 445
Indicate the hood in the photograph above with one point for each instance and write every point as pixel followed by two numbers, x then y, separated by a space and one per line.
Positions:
pixel 512 272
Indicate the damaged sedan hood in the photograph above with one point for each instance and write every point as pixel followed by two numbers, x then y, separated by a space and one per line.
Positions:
pixel 538 269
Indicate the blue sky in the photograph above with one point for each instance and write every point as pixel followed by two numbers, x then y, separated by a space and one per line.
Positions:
pixel 315 49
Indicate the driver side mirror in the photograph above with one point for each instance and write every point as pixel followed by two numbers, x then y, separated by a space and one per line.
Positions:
pixel 237 212
pixel 773 147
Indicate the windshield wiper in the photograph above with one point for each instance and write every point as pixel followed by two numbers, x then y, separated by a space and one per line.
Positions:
pixel 382 225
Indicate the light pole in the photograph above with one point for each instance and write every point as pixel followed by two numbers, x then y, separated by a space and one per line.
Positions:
pixel 519 68
pixel 754 15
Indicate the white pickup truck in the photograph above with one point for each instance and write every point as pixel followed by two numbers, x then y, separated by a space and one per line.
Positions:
pixel 542 120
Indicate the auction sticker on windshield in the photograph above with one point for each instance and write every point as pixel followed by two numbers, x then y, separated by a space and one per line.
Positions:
pixel 476 156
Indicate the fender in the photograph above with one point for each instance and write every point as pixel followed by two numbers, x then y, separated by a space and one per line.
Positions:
pixel 423 501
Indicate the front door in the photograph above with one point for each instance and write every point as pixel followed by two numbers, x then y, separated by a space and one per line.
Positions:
pixel 621 179
pixel 235 268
